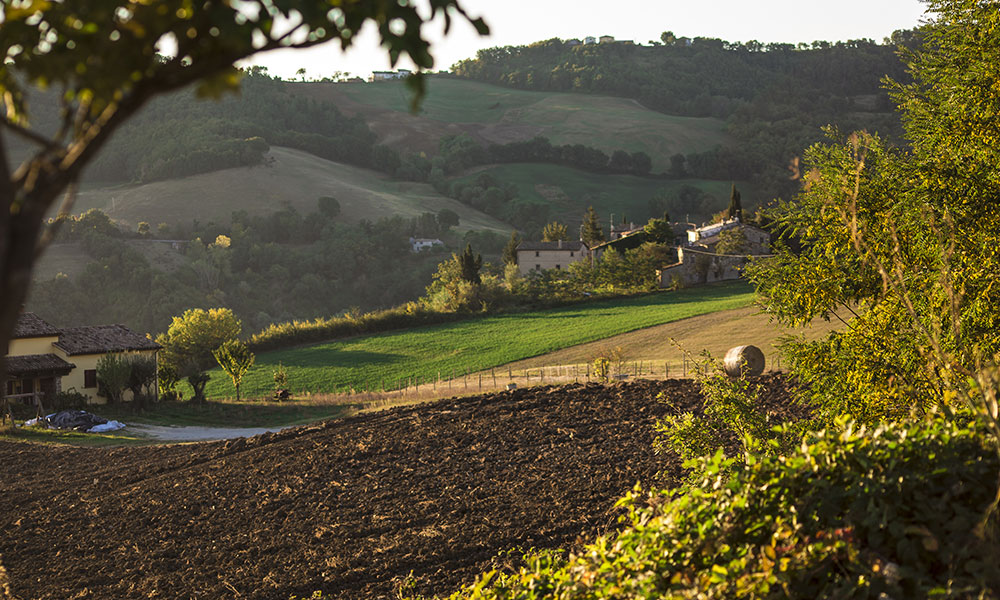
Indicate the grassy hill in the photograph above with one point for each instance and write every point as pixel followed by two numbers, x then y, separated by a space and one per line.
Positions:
pixel 290 177
pixel 368 362
pixel 569 191
pixel 497 114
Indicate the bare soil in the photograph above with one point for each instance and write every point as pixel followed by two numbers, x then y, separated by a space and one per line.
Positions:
pixel 349 506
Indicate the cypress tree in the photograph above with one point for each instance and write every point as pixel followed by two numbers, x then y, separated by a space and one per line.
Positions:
pixel 470 264
pixel 510 250
pixel 735 208
pixel 591 232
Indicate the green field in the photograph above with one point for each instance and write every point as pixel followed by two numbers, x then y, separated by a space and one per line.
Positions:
pixel 501 114
pixel 570 191
pixel 370 362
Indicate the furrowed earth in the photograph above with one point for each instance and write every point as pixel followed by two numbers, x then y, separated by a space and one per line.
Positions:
pixel 425 497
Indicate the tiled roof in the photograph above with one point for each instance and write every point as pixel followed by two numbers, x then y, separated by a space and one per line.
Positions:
pixel 98 339
pixel 575 246
pixel 36 364
pixel 30 325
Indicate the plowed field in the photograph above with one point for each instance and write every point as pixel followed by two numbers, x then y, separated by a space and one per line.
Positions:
pixel 350 506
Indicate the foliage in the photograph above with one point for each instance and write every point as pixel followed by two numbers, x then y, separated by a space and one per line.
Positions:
pixel 197 379
pixel 609 364
pixel 735 210
pixel 905 242
pixel 235 358
pixel 510 249
pixel 852 513
pixel 190 340
pixel 113 372
pixel 821 83
pixel 731 241
pixel 554 232
pixel 142 375
pixel 277 267
pixel 469 265
pixel 280 378
pixel 591 232
pixel 732 413
pixel 328 206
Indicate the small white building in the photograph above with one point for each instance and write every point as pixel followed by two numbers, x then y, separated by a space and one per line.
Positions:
pixel 389 75
pixel 542 256
pixel 590 40
pixel 418 244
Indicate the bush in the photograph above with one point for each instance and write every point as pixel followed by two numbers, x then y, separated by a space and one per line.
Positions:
pixel 69 399
pixel 895 512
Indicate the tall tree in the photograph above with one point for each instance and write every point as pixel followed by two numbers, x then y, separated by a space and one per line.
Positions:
pixel 510 250
pixel 735 210
pixel 104 59
pixel 591 232
pixel 554 232
pixel 470 264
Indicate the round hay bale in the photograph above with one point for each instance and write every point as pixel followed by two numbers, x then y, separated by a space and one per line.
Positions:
pixel 743 361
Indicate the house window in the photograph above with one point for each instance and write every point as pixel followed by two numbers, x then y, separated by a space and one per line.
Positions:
pixel 538 267
pixel 558 267
pixel 90 378
pixel 536 253
pixel 571 254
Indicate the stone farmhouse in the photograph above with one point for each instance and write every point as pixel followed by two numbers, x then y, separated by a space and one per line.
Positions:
pixel 698 262
pixel 542 256
pixel 43 360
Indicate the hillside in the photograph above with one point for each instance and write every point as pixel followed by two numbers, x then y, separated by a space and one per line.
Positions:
pixel 567 192
pixel 287 177
pixel 422 354
pixel 494 114
pixel 425 497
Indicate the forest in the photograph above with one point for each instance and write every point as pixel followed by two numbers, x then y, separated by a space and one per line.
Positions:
pixel 775 97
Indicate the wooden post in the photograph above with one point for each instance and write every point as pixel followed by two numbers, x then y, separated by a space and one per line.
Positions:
pixel 480 381
pixel 494 373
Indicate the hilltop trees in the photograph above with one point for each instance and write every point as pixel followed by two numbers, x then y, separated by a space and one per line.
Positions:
pixel 103 58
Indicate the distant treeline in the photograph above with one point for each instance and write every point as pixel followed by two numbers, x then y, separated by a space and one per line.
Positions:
pixel 266 268
pixel 179 135
pixel 775 97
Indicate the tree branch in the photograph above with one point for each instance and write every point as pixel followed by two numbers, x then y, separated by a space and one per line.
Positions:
pixel 29 135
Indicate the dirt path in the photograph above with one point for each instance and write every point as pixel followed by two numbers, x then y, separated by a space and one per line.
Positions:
pixel 199 434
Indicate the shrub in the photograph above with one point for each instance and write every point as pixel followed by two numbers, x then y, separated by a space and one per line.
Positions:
pixel 895 512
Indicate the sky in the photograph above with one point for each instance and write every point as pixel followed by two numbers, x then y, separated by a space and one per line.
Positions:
pixel 517 22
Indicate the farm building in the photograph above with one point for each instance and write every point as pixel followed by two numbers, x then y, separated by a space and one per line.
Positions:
pixel 542 256
pixel 699 261
pixel 43 360
pixel 389 75
pixel 418 244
